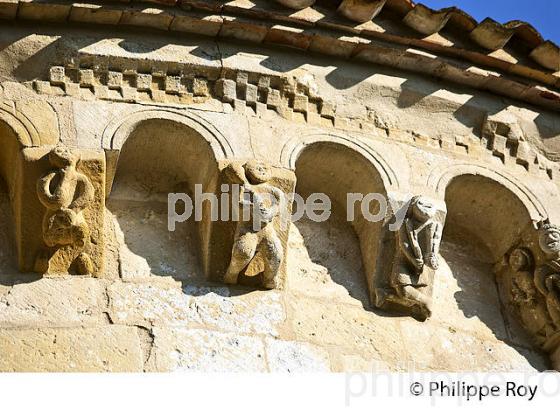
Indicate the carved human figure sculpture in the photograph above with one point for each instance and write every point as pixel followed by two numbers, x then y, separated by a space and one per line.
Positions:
pixel 259 204
pixel 65 192
pixel 531 309
pixel 417 247
pixel 547 275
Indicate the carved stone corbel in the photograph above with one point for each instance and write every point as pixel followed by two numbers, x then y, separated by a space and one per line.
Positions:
pixel 63 211
pixel 405 276
pixel 250 247
pixel 530 285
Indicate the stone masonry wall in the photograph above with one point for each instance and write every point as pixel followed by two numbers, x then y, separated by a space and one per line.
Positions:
pixel 153 309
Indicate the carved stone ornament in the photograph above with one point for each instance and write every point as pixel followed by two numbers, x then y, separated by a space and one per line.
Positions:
pixel 411 276
pixel 547 275
pixel 260 204
pixel 532 288
pixel 65 193
pixel 528 303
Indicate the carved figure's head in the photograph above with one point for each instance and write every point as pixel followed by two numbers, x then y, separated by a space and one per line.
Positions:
pixel 62 157
pixel 549 239
pixel 520 259
pixel 422 208
pixel 257 172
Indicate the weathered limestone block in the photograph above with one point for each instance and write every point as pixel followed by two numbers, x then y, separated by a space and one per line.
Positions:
pixel 347 363
pixel 500 132
pixel 183 349
pixel 43 117
pixel 96 349
pixel 226 90
pixel 213 308
pixel 54 302
pixel 257 312
pixel 62 199
pixel 405 282
pixel 289 37
pixel 431 346
pixel 250 248
pixel 359 332
pixel 291 357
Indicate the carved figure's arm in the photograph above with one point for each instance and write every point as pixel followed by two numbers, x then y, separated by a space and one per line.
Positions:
pixel 404 239
pixel 413 239
pixel 48 199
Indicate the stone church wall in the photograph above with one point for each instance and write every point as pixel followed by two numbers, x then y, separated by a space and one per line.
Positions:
pixel 141 116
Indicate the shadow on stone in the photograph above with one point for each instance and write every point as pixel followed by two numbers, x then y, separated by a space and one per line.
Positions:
pixel 484 220
pixel 333 263
pixel 9 273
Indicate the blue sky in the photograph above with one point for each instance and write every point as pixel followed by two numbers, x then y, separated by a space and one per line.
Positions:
pixel 544 15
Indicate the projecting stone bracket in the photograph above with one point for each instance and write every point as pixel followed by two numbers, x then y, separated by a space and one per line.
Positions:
pixel 60 207
pixel 250 251
pixel 529 283
pixel 401 277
